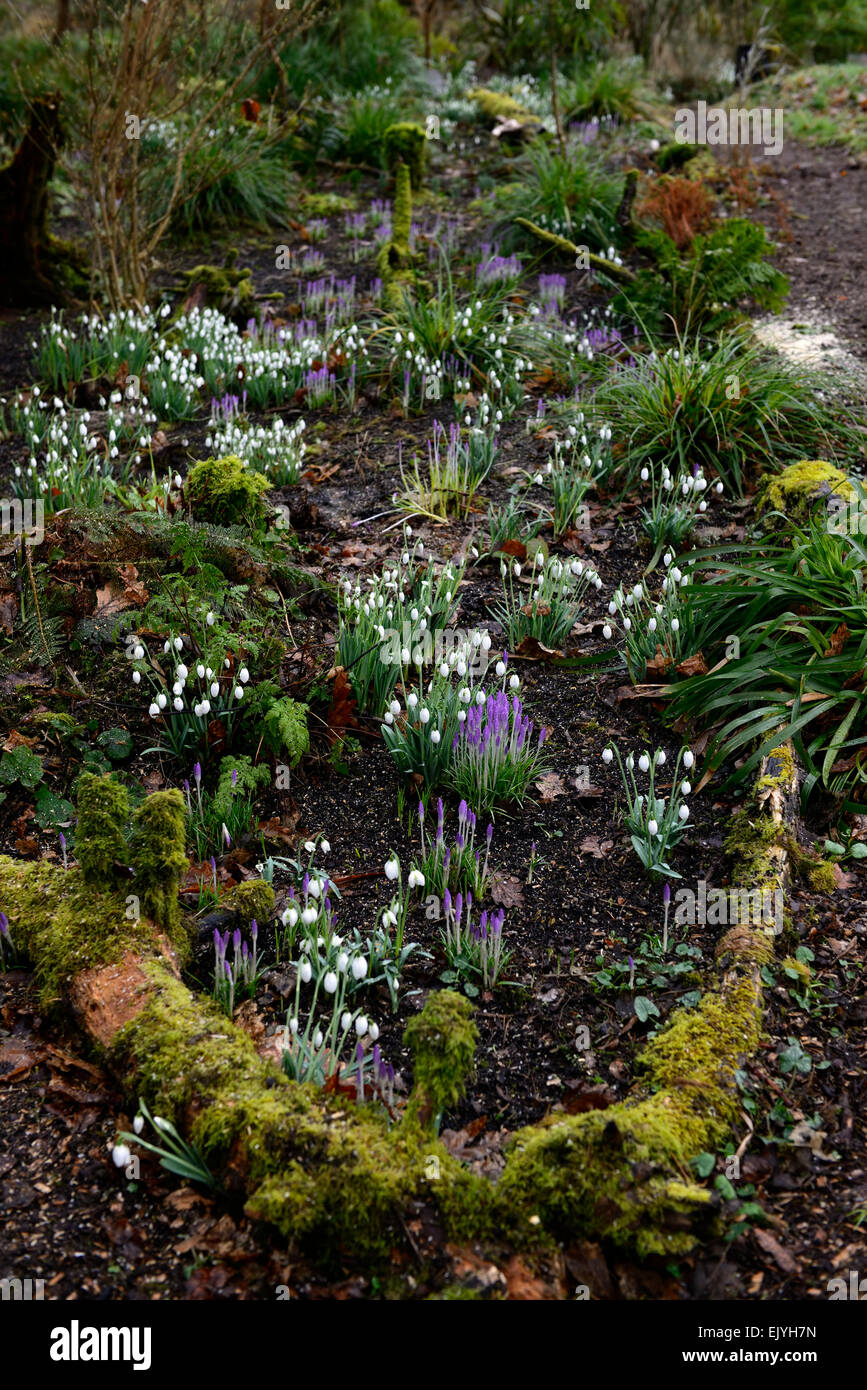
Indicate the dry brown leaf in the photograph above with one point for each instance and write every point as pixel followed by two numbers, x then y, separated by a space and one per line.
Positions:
pixel 550 786
pixel 591 844
pixel 773 1248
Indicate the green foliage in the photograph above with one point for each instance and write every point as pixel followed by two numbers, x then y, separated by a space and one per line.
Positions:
pixel 405 143
pixel 353 44
pixel 20 765
pixel 573 195
pixel 239 175
pixel 285 729
pixel 701 291
pixel 606 89
pixel 226 492
pixel 247 780
pixel 518 35
pixel 363 121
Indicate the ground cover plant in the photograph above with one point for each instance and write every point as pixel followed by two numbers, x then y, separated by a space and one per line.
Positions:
pixel 432 650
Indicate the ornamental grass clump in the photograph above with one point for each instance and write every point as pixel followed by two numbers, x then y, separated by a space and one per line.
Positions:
pixel 655 824
pixel 495 756
pixel 554 604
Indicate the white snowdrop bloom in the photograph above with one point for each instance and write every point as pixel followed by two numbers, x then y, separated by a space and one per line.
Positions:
pixel 305 970
pixel 325 847
pixel 210 619
pixel 318 1038
pixel 651 625
pixel 179 644
pixel 686 788
pixel 138 1124
pixel 243 675
pixel 424 715
pixel 718 487
pixel 514 682
pixel 182 672
pixel 346 1020
pixel 373 1032
pixel 388 717
pixel 309 846
pixel 342 962
pixel 612 608
pixel 606 632
pixel 359 968
pixel 394 707
pixel 309 915
pixel 480 697
pixel 138 652
pixel 167 646
pixel 607 755
pixel 412 700
pixel 120 1155
pixel 392 868
pixel 683 813
pixel 289 917
pixel 178 703
pixel 215 689
pixel 314 888
pixel 630 762
pixel 206 707
pixel 136 677
pixel 688 758
pixel 200 671
pixel 416 879
pixel 330 982
pixel 500 668
pixel 162 700
pixel 667 559
pixel 660 758
pixel 293 1026
pixel 239 691
pixel 434 736
pixel 652 827
pixel 644 763
pixel 627 624
pixel 676 575
pixel 361 1026
pixel 675 625
pixel 645 474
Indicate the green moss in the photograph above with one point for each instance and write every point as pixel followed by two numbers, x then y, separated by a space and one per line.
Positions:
pixel 797 967
pixel 406 143
pixel 780 769
pixel 442 1039
pixel 496 106
pixel 327 204
pixel 103 808
pixel 821 876
pixel 64 925
pixel 227 289
pixel 797 488
pixel 393 261
pixel 226 492
pixel 158 856
pixel 620 1171
pixel 253 901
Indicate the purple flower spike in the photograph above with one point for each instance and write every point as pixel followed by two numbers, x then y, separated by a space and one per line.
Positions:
pixel 666 894
pixel 62 839
pixel 236 938
pixel 254 928
pixel 489 833
pixel 197 773
pixel 213 864
pixel 218 940
pixel 421 810
pixel 227 837
pixel 234 777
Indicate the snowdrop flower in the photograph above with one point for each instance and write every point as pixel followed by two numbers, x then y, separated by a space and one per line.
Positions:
pixel 660 758
pixel 392 868
pixel 644 763
pixel 162 700
pixel 120 1155
pixel 346 1020
pixel 684 813
pixel 182 672
pixel 329 984
pixel 138 1124
pixel 318 1038
pixel 607 755
pixel 154 711
pixel 215 689
pixel 200 671
pixel 416 879
pixel 434 735
pixel 289 917
pixel 500 667
pixel 652 827
pixel 342 962
pixel 645 474
pixel 239 692
pixel 361 1025
pixel 138 652
pixel 210 619
pixel 243 675
pixel 305 970
pixel 177 703
pixel 651 625
pixel 686 788
pixel 359 968
pixel 667 559
pixel 412 700
pixel 394 707
pixel 136 677
pixel 675 624
pixel 309 846
pixel 309 915
pixel 424 715
pixel 373 1032
pixel 179 643
pixel 514 682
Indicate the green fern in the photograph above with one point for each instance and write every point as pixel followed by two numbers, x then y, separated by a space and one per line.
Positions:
pixel 285 729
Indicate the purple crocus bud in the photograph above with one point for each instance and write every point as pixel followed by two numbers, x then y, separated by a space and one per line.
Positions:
pixel 197 773
pixel 666 894
pixel 234 777
pixel 440 810
pixel 245 950
pixel 254 928
pixel 218 940
pixel 236 938
pixel 459 906
pixel 4 925
pixel 305 884
pixel 462 811
pixel 213 864
pixel 359 1052
pixel 227 837
pixel 227 970
pixel 421 810
pixel 187 785
pixel 62 839
pixel 489 833
pixel 447 899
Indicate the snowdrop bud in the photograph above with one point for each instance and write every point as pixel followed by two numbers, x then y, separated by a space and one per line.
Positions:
pixel 136 677
pixel 324 847
pixel 660 758
pixel 178 644
pixel 200 671
pixel 686 788
pixel 318 1038
pixel 178 703
pixel 138 1124
pixel 239 692
pixel 138 652
pixel 424 715
pixel 388 717
pixel 329 984
pixel 667 559
pixel 361 1026
pixel 500 668
pixel 210 619
pixel 243 675
pixel 606 632
pixel 675 625
pixel 514 682
pixel 373 1032
pixel 342 962
pixel 394 707
pixel 627 624
pixel 684 813
pixel 182 672
pixel 651 625
pixel 359 968
pixel 434 735
pixel 644 763
pixel 215 689
pixel 652 827
pixel 416 879
pixel 645 474
pixel 392 868
pixel 412 700
pixel 306 972
pixel 120 1155
pixel 346 1020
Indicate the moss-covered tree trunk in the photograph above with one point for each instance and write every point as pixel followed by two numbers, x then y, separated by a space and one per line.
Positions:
pixel 34 266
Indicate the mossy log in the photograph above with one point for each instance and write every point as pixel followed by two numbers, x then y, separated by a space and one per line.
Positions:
pixel 562 243
pixel 35 267
pixel 339 1179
